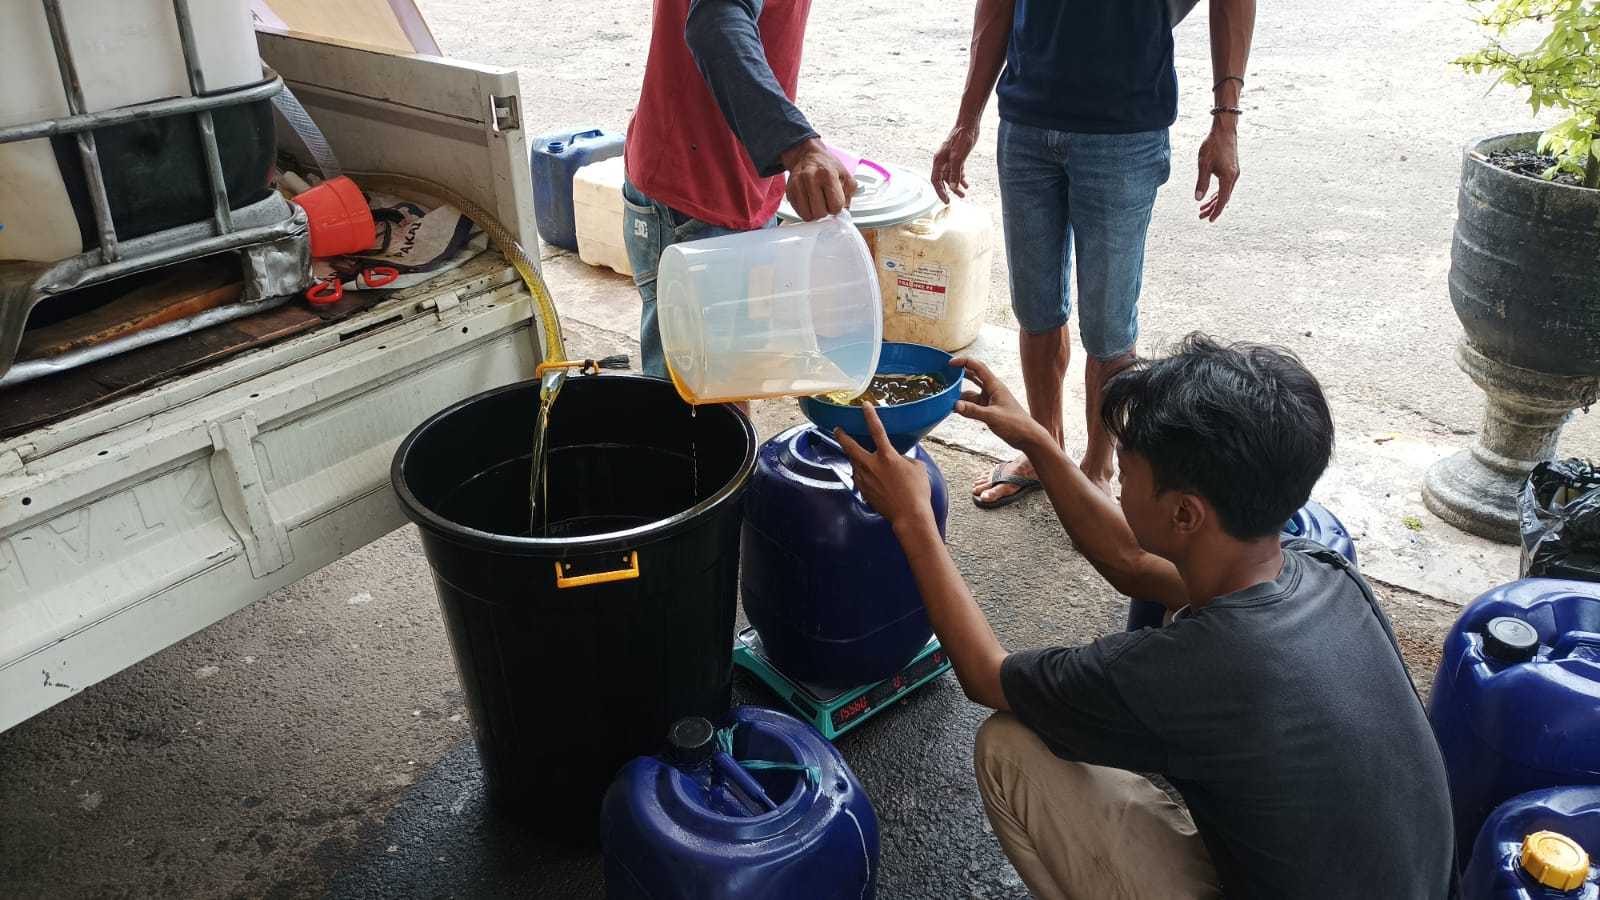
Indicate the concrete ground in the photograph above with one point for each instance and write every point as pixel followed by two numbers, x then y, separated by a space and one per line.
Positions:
pixel 316 743
pixel 1336 244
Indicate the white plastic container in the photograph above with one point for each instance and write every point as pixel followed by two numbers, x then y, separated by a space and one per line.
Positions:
pixel 934 274
pixel 126 52
pixel 785 312
pixel 597 211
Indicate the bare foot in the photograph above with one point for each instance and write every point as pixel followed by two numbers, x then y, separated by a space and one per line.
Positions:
pixel 1101 478
pixel 986 491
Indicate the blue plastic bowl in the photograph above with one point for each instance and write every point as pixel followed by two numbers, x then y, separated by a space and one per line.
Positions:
pixel 906 423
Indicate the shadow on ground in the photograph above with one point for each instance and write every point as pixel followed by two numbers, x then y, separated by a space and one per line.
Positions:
pixel 442 839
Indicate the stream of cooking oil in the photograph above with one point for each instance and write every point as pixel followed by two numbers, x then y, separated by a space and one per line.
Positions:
pixel 694 458
pixel 538 481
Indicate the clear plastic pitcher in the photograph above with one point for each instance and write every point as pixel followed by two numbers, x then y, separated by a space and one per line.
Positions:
pixel 782 312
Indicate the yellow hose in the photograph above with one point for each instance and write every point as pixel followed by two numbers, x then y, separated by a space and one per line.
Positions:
pixel 553 342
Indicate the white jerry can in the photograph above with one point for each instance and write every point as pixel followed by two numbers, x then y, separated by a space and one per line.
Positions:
pixel 597 213
pixel 933 272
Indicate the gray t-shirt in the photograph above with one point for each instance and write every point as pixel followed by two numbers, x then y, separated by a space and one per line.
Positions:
pixel 1284 715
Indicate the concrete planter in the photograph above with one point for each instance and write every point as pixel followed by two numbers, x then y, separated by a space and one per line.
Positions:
pixel 1525 283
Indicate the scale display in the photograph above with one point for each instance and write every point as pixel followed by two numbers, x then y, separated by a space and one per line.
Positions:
pixel 834 711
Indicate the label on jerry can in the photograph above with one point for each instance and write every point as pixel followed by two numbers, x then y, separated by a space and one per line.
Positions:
pixel 922 291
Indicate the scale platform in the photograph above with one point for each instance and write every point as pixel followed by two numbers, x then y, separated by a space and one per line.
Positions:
pixel 834 711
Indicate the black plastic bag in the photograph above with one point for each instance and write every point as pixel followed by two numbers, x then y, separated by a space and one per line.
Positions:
pixel 1560 508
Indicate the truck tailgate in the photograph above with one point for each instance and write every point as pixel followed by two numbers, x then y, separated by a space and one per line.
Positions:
pixel 115 545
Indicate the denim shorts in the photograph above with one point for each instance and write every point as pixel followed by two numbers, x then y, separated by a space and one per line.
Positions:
pixel 648 229
pixel 1060 190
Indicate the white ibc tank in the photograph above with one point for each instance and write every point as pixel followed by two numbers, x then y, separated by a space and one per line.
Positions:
pixel 126 52
pixel 933 272
pixel 597 213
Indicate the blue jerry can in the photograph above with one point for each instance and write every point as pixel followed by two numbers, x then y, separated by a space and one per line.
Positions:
pixel 763 807
pixel 1541 845
pixel 1516 703
pixel 1312 522
pixel 554 159
pixel 824 580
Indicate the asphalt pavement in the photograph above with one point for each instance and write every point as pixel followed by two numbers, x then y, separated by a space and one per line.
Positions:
pixel 316 743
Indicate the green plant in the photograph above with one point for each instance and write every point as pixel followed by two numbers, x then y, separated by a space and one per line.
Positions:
pixel 1562 72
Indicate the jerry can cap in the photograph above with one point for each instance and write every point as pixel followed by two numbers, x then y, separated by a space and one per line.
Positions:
pixel 1555 860
pixel 691 741
pixel 1510 639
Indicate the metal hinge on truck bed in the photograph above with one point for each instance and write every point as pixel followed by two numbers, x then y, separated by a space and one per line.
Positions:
pixel 236 472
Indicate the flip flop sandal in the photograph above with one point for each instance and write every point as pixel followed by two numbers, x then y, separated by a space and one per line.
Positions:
pixel 1024 484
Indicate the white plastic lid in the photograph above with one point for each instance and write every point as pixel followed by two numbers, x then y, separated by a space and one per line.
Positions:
pixel 883 201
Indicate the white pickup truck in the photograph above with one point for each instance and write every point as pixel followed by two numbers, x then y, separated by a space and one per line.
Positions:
pixel 131 525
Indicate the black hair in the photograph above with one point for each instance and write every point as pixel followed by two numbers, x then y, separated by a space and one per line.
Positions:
pixel 1243 425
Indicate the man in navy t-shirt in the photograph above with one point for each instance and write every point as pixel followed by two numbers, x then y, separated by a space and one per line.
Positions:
pixel 1086 95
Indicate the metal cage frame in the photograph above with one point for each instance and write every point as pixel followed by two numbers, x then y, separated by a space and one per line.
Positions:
pixel 271 234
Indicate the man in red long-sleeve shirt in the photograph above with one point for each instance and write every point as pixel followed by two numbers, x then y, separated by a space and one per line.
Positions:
pixel 715 130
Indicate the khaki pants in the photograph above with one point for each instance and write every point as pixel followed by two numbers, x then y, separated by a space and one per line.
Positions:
pixel 1073 830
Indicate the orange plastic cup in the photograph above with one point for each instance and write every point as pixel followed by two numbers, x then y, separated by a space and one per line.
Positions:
pixel 341 222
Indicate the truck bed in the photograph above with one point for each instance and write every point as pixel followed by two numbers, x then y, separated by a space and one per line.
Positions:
pixel 45 400
pixel 138 517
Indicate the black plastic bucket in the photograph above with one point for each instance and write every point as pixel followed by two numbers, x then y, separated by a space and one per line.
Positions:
pixel 577 651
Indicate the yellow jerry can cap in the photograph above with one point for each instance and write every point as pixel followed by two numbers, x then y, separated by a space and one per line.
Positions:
pixel 1555 860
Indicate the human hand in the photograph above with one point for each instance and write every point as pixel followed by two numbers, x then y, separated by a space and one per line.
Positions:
pixel 1219 155
pixel 893 484
pixel 995 406
pixel 819 185
pixel 950 163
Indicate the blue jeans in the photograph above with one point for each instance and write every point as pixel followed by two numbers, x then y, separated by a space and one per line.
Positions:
pixel 1060 190
pixel 648 229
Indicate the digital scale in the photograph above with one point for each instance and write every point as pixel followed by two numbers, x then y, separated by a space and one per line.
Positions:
pixel 833 711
